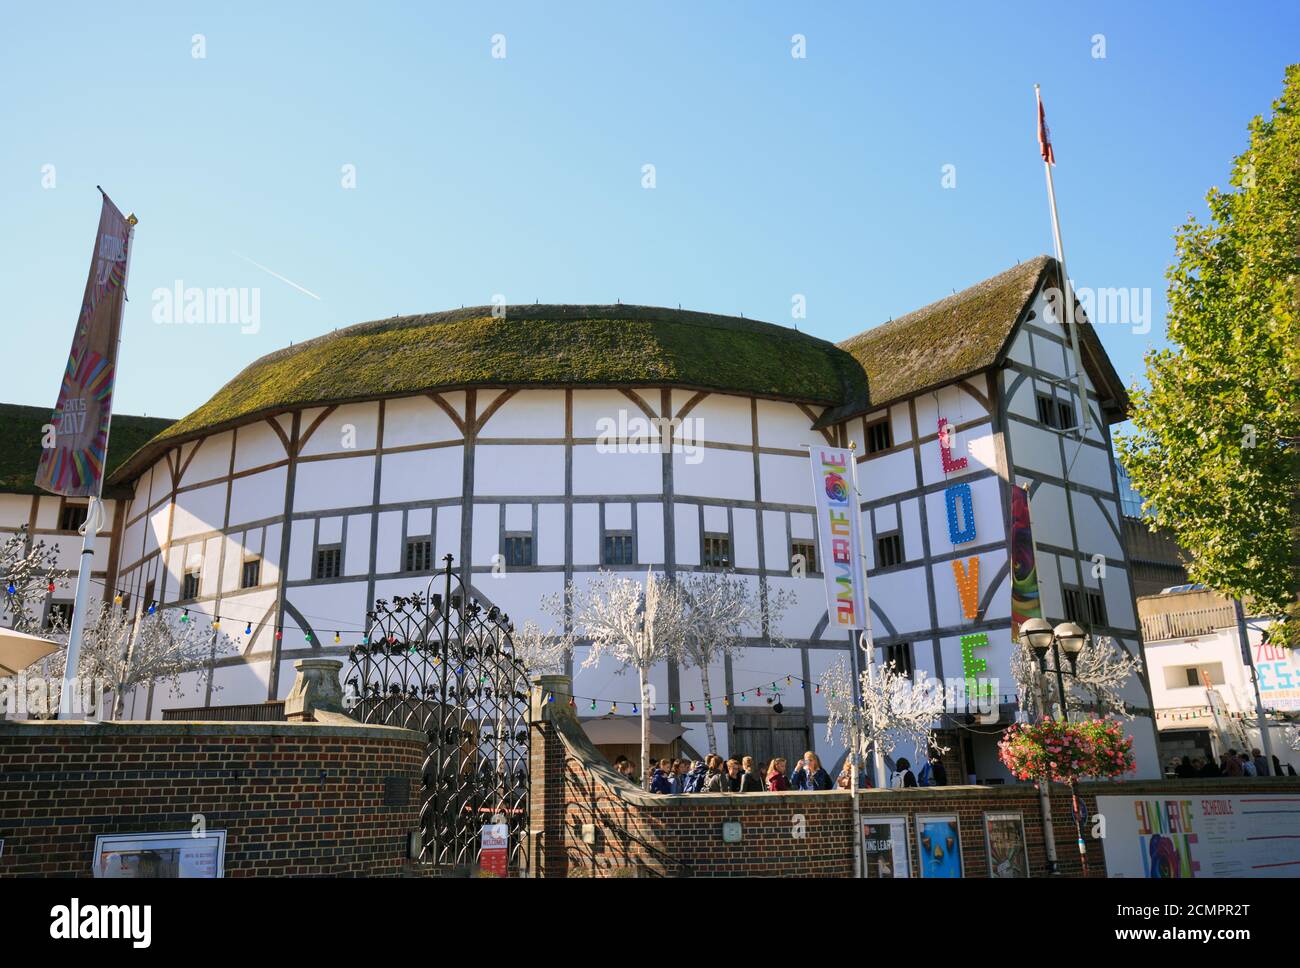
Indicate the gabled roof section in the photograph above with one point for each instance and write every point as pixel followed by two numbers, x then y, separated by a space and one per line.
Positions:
pixel 964 334
pixel 20 445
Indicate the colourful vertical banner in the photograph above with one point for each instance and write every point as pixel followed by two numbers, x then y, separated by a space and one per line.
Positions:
pixel 72 459
pixel 840 538
pixel 1025 601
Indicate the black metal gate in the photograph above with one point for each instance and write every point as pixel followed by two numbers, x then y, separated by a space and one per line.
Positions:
pixel 443 663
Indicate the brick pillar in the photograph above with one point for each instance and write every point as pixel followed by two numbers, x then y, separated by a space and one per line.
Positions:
pixel 546 792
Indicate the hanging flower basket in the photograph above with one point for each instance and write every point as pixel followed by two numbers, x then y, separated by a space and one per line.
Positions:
pixel 1065 752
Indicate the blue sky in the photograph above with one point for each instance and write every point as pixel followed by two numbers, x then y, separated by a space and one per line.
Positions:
pixel 522 176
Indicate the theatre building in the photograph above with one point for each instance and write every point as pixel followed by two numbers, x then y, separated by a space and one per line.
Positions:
pixel 342 470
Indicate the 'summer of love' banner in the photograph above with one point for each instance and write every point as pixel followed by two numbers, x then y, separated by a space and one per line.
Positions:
pixel 72 461
pixel 840 539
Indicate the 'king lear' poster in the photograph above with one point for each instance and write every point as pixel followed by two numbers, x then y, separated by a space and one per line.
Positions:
pixel 1202 836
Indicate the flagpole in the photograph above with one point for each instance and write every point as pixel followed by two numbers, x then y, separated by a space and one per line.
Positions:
pixel 1073 323
pixel 89 535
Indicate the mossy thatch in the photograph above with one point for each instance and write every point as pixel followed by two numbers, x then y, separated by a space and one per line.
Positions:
pixel 948 339
pixel 961 335
pixel 21 450
pixel 588 346
pixel 637 346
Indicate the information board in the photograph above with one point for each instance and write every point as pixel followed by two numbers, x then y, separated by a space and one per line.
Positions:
pixel 1202 835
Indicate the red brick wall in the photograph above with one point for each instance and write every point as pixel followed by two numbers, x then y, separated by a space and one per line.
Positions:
pixel 640 834
pixel 294 799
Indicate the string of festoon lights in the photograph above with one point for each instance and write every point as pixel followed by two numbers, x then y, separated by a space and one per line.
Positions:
pixel 772 696
pixel 1200 712
pixel 769 690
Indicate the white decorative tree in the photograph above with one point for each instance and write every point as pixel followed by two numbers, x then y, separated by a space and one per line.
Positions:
pixel 1097 683
pixel 543 652
pixel 723 611
pixel 124 651
pixel 895 710
pixel 636 625
pixel 28 568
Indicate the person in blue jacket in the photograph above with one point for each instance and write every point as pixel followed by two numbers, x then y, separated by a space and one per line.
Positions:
pixel 809 774
pixel 695 779
pixel 659 779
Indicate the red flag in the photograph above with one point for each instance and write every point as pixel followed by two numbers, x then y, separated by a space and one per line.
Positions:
pixel 72 462
pixel 1044 134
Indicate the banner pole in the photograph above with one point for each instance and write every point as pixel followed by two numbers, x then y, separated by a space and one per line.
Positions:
pixel 90 534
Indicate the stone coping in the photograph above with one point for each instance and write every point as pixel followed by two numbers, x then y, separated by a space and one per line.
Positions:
pixel 82 729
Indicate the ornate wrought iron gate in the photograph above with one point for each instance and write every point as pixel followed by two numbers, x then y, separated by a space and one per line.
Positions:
pixel 443 663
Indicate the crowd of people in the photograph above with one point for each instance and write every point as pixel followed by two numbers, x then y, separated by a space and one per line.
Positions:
pixel 1230 763
pixel 741 774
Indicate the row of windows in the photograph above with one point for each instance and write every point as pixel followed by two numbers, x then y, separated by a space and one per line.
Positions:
pixel 617 548
pixel 250 576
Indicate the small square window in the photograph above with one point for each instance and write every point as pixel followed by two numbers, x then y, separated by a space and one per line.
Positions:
pixel 807 551
pixel 60 614
pixel 328 562
pixel 889 550
pixel 1096 607
pixel 617 548
pixel 72 517
pixel 190 586
pixel 519 550
pixel 419 554
pixel 1193 676
pixel 1065 414
pixel 251 576
pixel 900 654
pixel 717 551
pixel 1047 411
pixel 880 436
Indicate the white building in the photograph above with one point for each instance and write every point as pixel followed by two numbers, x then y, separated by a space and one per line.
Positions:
pixel 1202 686
pixel 343 469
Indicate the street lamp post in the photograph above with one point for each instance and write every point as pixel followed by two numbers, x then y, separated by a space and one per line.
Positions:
pixel 1069 638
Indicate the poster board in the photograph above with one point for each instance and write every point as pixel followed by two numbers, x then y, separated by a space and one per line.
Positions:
pixel 1004 842
pixel 1202 835
pixel 938 839
pixel 160 855
pixel 884 847
pixel 494 852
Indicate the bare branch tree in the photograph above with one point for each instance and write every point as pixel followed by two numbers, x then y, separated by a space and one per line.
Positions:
pixel 637 626
pixel 895 710
pixel 126 651
pixel 543 652
pixel 28 568
pixel 723 611
pixel 1097 683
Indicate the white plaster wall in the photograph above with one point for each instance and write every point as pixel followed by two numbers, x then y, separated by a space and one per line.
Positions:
pixel 354 423
pixel 344 482
pixel 518 469
pixel 256 445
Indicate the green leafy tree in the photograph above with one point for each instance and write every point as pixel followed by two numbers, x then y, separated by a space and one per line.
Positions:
pixel 1214 452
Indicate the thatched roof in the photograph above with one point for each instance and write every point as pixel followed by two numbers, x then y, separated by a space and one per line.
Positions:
pixel 531 346
pixel 21 449
pixel 961 335
pixel 616 346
